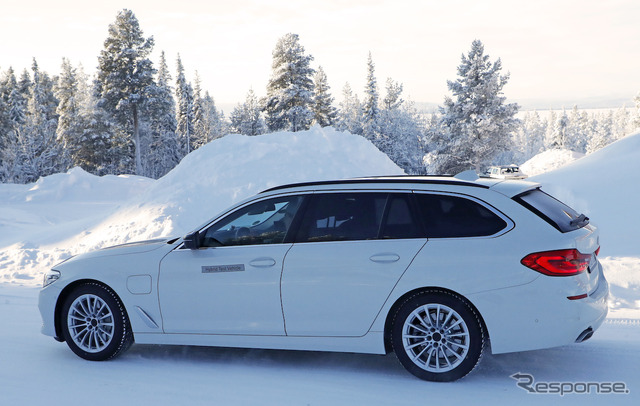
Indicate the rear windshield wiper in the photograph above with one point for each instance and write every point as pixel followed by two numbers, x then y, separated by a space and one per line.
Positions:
pixel 581 221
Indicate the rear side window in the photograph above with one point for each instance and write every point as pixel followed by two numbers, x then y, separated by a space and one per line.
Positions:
pixel 400 221
pixel 448 216
pixel 360 216
pixel 343 217
pixel 552 210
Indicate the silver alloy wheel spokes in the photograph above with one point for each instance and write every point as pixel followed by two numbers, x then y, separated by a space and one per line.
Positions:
pixel 90 323
pixel 435 337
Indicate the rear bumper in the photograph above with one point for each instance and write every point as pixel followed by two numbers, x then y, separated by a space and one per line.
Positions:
pixel 521 319
pixel 595 307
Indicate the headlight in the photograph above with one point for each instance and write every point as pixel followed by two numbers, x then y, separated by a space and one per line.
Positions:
pixel 50 277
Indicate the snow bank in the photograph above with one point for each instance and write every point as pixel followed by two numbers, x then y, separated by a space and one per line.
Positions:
pixel 64 214
pixel 37 220
pixel 75 185
pixel 605 186
pixel 549 160
pixel 233 168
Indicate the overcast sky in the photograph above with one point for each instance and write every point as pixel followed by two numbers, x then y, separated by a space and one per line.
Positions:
pixel 557 51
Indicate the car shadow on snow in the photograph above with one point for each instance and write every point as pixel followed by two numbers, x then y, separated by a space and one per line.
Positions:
pixel 574 362
pixel 281 359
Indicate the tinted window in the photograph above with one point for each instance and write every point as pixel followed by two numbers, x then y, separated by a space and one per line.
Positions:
pixel 400 221
pixel 265 222
pixel 451 216
pixel 343 217
pixel 551 210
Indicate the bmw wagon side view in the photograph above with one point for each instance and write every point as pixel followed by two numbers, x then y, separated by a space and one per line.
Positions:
pixel 435 269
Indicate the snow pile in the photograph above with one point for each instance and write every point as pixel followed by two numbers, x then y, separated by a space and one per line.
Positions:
pixel 38 219
pixel 604 186
pixel 624 285
pixel 233 168
pixel 549 160
pixel 75 185
pixel 64 214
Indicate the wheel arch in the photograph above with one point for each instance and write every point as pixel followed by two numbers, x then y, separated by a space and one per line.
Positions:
pixel 65 294
pixel 388 324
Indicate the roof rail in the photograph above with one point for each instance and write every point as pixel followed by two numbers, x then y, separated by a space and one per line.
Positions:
pixel 421 179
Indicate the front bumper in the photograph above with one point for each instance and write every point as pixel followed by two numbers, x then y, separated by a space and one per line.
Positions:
pixel 47 302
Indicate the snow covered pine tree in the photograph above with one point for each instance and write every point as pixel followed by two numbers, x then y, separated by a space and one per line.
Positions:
pixel 289 100
pixel 476 123
pixel 324 112
pixel 125 74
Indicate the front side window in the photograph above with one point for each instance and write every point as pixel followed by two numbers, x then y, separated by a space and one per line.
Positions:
pixel 264 222
pixel 447 216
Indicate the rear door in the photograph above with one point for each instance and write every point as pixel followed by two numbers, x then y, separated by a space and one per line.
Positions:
pixel 350 251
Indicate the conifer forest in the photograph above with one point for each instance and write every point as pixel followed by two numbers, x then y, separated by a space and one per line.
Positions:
pixel 138 116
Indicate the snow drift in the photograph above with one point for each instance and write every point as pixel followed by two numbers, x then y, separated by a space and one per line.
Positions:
pixel 549 160
pixel 64 214
pixel 605 186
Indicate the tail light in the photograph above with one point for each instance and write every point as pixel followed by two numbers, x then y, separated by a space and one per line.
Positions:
pixel 558 263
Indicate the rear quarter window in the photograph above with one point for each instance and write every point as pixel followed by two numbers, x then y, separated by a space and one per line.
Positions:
pixel 448 216
pixel 551 210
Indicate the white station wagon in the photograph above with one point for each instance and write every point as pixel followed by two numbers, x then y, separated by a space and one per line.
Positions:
pixel 435 269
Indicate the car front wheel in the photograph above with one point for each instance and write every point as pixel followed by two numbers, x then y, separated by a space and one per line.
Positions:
pixel 95 324
pixel 437 336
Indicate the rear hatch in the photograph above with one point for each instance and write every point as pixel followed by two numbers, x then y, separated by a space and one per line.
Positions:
pixel 580 234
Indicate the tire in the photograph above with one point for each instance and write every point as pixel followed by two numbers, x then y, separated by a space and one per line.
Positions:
pixel 437 336
pixel 94 323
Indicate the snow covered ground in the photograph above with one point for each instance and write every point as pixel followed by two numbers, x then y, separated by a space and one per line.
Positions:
pixel 63 214
pixel 36 370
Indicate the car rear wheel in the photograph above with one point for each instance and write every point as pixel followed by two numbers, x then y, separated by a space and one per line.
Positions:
pixel 437 336
pixel 95 323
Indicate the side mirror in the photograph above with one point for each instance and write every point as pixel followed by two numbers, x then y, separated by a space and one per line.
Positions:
pixel 192 241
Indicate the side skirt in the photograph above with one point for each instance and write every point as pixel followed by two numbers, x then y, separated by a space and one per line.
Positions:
pixel 371 343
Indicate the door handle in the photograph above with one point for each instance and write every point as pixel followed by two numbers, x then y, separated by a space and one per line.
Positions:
pixel 385 258
pixel 264 262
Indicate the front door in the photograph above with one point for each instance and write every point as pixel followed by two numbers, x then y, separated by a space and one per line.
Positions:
pixel 231 285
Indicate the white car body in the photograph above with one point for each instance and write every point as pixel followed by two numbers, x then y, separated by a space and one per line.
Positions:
pixel 340 295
